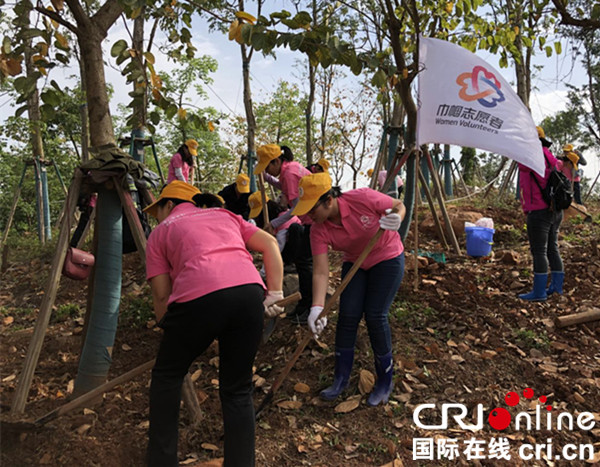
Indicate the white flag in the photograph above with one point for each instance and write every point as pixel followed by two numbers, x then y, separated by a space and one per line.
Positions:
pixel 466 102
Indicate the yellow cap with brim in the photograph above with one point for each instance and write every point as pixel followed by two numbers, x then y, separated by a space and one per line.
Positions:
pixel 192 146
pixel 567 148
pixel 266 154
pixel 540 131
pixel 324 163
pixel 177 189
pixel 242 183
pixel 310 189
pixel 574 158
pixel 255 203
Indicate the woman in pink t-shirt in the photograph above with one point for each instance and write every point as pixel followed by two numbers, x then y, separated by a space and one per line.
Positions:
pixel 346 222
pixel 284 173
pixel 181 165
pixel 205 287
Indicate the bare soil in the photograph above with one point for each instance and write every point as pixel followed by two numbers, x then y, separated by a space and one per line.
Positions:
pixel 460 334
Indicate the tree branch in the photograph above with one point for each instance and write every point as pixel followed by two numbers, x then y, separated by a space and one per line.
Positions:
pixel 107 15
pixel 209 12
pixel 81 18
pixel 567 19
pixel 59 19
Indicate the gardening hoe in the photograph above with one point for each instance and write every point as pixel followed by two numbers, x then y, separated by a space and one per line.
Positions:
pixel 270 322
pixel 263 200
pixel 587 218
pixel 326 310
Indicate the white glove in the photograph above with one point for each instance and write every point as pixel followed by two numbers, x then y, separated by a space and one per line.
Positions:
pixel 315 323
pixel 272 310
pixel 391 220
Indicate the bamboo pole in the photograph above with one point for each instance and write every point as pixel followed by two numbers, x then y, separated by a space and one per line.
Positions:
pixel 496 175
pixel 41 324
pixel 91 395
pixel 440 197
pixel 416 226
pixel 436 221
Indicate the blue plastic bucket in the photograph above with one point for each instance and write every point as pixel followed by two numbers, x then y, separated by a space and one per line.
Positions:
pixel 479 240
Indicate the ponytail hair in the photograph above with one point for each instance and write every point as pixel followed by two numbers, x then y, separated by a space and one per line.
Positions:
pixel 334 192
pixel 186 155
pixel 207 200
pixel 286 154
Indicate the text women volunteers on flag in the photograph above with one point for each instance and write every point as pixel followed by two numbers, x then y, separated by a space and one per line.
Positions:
pixel 464 101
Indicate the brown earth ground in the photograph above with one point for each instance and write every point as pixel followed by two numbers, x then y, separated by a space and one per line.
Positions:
pixel 461 336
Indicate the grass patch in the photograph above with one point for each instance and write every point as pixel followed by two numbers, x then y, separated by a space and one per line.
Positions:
pixel 136 310
pixel 531 339
pixel 411 314
pixel 65 312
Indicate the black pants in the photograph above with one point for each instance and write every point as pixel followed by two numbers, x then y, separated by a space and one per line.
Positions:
pixel 577 192
pixel 297 251
pixel 542 230
pixel 234 316
pixel 84 218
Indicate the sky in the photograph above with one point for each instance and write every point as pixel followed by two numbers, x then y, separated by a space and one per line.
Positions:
pixel 226 92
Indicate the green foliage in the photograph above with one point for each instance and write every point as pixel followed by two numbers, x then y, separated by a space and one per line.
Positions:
pixel 532 339
pixel 61 133
pixel 412 314
pixel 65 312
pixel 468 163
pixel 136 310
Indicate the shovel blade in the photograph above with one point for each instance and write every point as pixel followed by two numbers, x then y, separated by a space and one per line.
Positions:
pixel 268 329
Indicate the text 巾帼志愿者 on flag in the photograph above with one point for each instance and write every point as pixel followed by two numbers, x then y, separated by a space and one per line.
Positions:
pixel 464 101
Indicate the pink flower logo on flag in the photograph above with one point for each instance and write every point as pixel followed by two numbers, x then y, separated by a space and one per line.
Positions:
pixel 480 85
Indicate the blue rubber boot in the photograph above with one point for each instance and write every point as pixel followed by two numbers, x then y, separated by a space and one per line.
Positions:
pixel 538 294
pixel 556 283
pixel 384 366
pixel 344 358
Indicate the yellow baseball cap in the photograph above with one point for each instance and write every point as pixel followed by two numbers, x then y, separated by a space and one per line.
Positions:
pixel 324 163
pixel 567 148
pixel 192 145
pixel 540 131
pixel 177 189
pixel 310 189
pixel 266 154
pixel 255 203
pixel 574 158
pixel 242 182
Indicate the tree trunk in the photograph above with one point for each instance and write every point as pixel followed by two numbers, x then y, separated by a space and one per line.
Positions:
pixel 100 121
pixel 35 138
pixel 139 111
pixel 95 359
pixel 309 110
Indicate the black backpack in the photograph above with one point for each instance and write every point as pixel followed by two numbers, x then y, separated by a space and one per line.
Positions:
pixel 558 192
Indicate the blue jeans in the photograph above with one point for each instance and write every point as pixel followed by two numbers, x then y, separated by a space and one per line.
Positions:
pixel 369 293
pixel 542 230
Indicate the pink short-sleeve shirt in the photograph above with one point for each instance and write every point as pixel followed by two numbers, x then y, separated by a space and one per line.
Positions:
pixel 291 173
pixel 178 163
pixel 202 250
pixel 286 225
pixel 360 211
